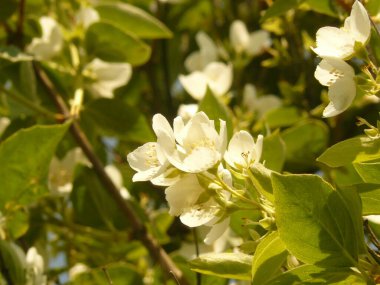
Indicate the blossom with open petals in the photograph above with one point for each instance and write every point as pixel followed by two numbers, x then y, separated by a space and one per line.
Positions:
pixel 34 268
pixel 192 147
pixel 250 43
pixel 339 77
pixel 86 16
pixel 61 172
pixel 259 105
pixel 340 42
pixel 208 52
pixel 51 41
pixel 187 111
pixel 216 75
pixel 242 150
pixel 105 77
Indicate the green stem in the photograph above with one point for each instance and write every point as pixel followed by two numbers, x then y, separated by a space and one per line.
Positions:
pixel 31 105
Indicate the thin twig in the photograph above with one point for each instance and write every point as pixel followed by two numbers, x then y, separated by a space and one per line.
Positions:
pixel 20 21
pixel 109 280
pixel 139 230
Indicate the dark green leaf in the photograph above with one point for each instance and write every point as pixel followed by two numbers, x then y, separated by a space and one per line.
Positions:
pixel 133 20
pixel 25 158
pixel 279 7
pixel 109 43
pixel 273 155
pixel 322 6
pixel 12 262
pixel 315 222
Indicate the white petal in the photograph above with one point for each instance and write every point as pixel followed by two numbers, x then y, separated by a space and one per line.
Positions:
pixel 194 61
pixel 183 194
pixel 217 231
pixel 187 111
pixel 219 77
pixel 86 17
pixel 195 84
pixel 115 175
pixel 259 41
pixel 373 218
pixel 329 70
pixel 259 148
pixel 239 36
pixel 341 95
pixel 334 42
pixel 358 24
pixel 266 103
pixel 199 214
pixel 239 148
pixel 4 123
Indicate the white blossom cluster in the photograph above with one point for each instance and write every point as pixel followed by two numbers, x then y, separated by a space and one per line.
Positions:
pixel 335 46
pixel 191 160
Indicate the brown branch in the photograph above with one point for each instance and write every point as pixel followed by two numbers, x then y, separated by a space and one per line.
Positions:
pixel 139 230
pixel 20 24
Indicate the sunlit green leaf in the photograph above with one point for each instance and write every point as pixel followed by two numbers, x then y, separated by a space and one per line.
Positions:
pixel 369 171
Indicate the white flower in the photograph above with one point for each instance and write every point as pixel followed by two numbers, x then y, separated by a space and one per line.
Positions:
pixel 335 42
pixel 187 111
pixel 208 52
pixel 373 218
pixel 34 268
pixel 339 77
pixel 50 42
pixel 242 150
pixel 116 177
pixel 251 43
pixel 216 75
pixel 194 147
pixel 77 270
pixel 61 172
pixel 4 123
pixel 260 105
pixel 107 76
pixel 86 16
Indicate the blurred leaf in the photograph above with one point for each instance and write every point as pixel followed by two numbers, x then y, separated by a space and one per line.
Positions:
pixel 282 117
pixel 310 274
pixel 7 9
pixel 109 43
pixel 279 7
pixel 269 256
pixel 113 117
pixel 273 152
pixel 119 274
pixel 17 223
pixel 315 222
pixel 26 156
pixel 216 111
pixel 369 171
pixel 304 142
pixel 356 149
pixel 321 6
pixel 28 84
pixel 12 262
pixel 227 265
pixel 133 20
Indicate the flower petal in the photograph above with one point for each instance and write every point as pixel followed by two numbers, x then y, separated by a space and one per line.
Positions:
pixel 334 42
pixel 259 41
pixel 217 231
pixel 358 24
pixel 219 77
pixel 239 36
pixel 195 84
pixel 329 70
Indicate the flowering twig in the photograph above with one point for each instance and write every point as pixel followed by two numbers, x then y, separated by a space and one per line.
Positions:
pixel 138 228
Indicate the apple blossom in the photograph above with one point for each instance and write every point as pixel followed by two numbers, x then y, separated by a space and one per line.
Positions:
pixel 34 268
pixel 339 77
pixel 192 147
pixel 208 52
pixel 86 16
pixel 260 105
pixel 105 77
pixel 61 172
pixel 216 75
pixel 242 150
pixel 51 41
pixel 250 43
pixel 340 42
pixel 187 111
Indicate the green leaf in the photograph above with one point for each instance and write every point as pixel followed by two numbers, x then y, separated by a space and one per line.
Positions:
pixel 27 155
pixel 370 196
pixel 7 9
pixel 261 179
pixel 310 274
pixel 215 110
pixel 12 262
pixel 269 256
pixel 28 84
pixel 321 6
pixel 315 222
pixel 227 265
pixel 113 117
pixel 369 171
pixel 273 152
pixel 282 117
pixel 279 7
pixel 133 20
pixel 345 176
pixel 109 43
pixel 17 223
pixel 304 142
pixel 356 149
pixel 119 273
